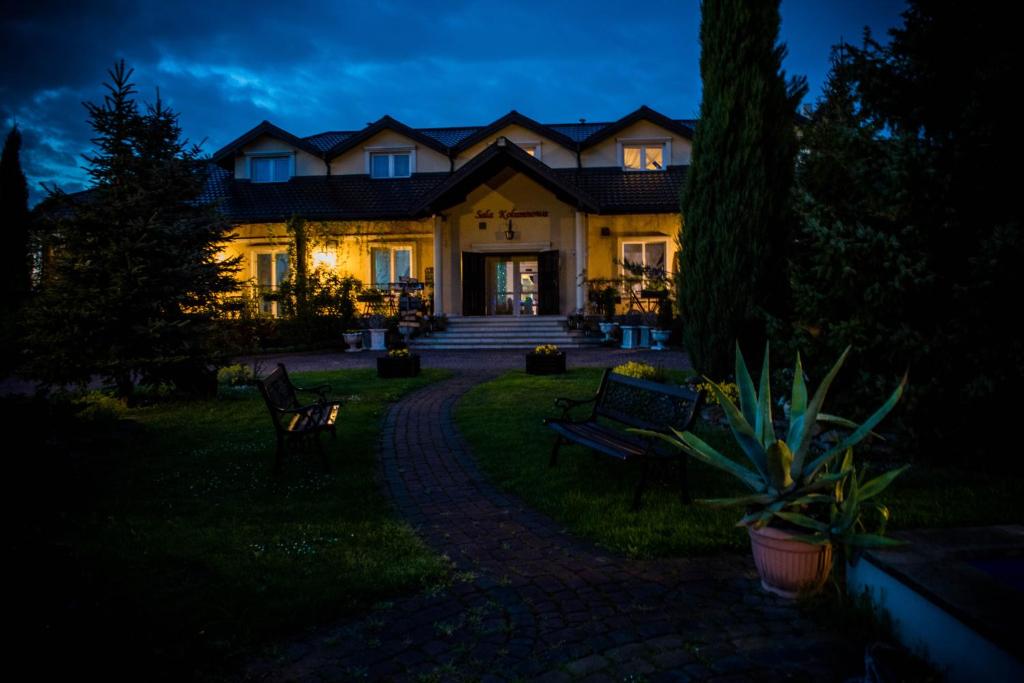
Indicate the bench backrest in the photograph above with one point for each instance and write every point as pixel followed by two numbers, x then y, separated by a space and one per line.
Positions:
pixel 645 405
pixel 278 392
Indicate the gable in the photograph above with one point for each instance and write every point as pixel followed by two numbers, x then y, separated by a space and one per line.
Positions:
pixel 606 152
pixel 354 160
pixel 305 163
pixel 552 153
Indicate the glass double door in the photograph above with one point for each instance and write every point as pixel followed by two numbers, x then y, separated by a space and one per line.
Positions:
pixel 512 285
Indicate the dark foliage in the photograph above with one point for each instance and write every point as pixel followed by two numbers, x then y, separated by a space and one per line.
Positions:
pixel 910 243
pixel 735 203
pixel 135 275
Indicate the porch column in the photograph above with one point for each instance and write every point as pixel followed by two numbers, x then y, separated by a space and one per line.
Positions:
pixel 438 273
pixel 581 260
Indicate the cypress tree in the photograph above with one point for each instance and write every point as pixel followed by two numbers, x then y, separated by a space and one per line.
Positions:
pixel 15 224
pixel 736 199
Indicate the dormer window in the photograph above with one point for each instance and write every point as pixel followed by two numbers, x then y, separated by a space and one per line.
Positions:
pixel 270 168
pixel 644 155
pixel 390 164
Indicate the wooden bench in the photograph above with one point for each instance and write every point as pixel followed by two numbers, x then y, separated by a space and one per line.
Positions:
pixel 622 402
pixel 293 421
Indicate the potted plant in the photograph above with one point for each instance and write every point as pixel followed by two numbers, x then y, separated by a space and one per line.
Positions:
pixel 801 502
pixel 546 359
pixel 377 325
pixel 398 363
pixel 354 340
pixel 663 329
pixel 608 296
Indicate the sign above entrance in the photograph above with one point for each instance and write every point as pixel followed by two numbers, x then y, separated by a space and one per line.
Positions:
pixel 510 213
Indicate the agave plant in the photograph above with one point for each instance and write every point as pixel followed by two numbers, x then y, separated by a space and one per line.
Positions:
pixel 787 481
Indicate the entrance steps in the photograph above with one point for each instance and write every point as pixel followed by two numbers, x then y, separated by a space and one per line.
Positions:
pixel 503 332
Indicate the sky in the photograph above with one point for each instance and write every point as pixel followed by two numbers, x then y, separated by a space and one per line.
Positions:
pixel 309 67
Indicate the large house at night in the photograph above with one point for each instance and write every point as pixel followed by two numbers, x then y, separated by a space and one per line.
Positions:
pixel 507 218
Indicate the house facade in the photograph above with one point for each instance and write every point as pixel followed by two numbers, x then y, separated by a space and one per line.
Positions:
pixel 510 218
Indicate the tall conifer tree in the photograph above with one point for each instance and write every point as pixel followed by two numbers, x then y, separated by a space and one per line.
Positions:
pixel 136 272
pixel 736 200
pixel 14 221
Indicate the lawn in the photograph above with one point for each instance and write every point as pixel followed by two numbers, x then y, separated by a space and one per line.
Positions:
pixel 169 545
pixel 591 495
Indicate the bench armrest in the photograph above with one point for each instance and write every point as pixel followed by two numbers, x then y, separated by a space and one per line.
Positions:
pixel 567 404
pixel 320 389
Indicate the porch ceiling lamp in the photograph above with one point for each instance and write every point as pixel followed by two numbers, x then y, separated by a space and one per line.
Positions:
pixel 509 233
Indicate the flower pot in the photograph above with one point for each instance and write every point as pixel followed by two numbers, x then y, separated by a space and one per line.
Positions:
pixel 545 363
pixel 606 330
pixel 660 339
pixel 353 340
pixel 789 567
pixel 389 368
pixel 377 339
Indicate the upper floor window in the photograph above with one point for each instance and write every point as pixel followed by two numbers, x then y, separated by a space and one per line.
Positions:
pixel 643 156
pixel 390 164
pixel 531 148
pixel 270 169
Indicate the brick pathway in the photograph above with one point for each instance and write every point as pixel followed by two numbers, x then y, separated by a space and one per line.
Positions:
pixel 530 602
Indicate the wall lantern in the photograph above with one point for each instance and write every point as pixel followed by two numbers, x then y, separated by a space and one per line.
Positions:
pixel 509 233
pixel 606 231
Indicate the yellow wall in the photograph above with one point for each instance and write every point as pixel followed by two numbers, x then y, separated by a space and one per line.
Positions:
pixel 353 162
pixel 305 163
pixel 551 153
pixel 606 152
pixel 347 244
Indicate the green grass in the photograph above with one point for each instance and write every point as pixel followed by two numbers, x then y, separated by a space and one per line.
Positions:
pixel 179 544
pixel 591 495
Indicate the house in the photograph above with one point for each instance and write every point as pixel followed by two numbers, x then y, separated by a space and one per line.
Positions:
pixel 507 218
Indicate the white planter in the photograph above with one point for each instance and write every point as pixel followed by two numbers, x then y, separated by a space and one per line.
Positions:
pixel 606 330
pixel 354 341
pixel 660 338
pixel 630 337
pixel 377 339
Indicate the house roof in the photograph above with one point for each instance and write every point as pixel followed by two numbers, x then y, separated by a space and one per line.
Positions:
pixel 499 155
pixel 329 144
pixel 225 156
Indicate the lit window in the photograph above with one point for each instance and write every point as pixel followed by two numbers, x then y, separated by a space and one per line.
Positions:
pixel 647 157
pixel 532 149
pixel 390 165
pixel 644 261
pixel 270 169
pixel 271 272
pixel 390 265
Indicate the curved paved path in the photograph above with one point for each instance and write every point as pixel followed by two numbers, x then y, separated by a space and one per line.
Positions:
pixel 530 602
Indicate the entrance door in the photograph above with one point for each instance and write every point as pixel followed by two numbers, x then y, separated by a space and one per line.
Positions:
pixel 512 285
pixel 473 273
pixel 548 282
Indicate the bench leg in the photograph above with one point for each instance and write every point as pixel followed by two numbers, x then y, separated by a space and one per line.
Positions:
pixel 641 485
pixel 554 451
pixel 322 452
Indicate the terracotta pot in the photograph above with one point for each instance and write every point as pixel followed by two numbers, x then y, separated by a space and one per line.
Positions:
pixel 789 567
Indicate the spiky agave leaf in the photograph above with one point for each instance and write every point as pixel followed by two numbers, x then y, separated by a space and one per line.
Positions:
pixel 694 446
pixel 780 460
pixel 802 520
pixel 858 434
pixel 744 434
pixel 763 427
pixel 872 541
pixel 880 483
pixel 745 385
pixel 807 421
pixel 755 499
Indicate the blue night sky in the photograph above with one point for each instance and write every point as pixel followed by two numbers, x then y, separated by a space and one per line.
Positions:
pixel 310 67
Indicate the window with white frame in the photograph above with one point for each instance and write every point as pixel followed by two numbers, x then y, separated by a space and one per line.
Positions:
pixel 643 156
pixel 270 269
pixel 390 264
pixel 644 261
pixel 270 168
pixel 531 148
pixel 390 164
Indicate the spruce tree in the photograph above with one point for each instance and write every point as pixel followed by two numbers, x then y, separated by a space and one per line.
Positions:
pixel 736 199
pixel 14 217
pixel 136 273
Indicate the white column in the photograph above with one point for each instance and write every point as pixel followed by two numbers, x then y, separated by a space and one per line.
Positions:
pixel 581 260
pixel 438 272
